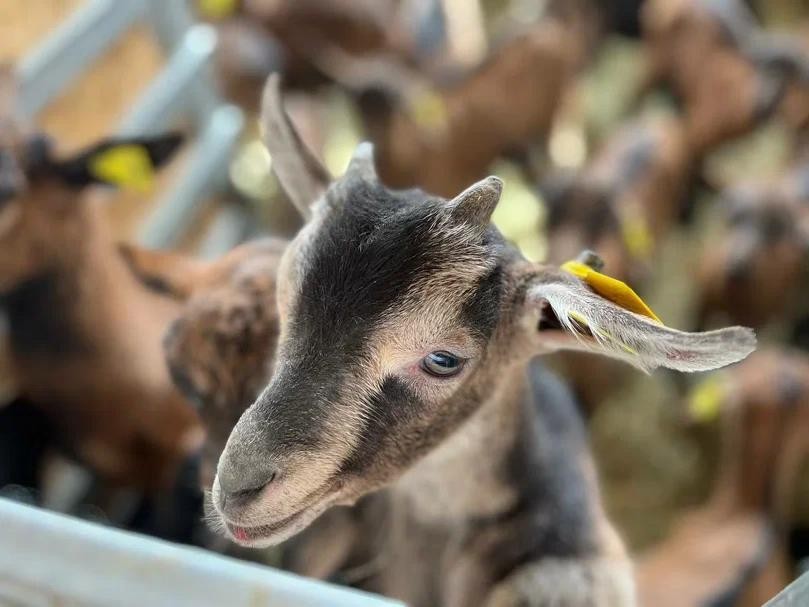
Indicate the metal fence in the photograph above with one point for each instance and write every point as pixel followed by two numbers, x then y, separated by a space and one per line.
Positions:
pixel 183 89
pixel 794 595
pixel 49 559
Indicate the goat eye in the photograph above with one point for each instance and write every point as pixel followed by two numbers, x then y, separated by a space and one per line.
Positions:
pixel 441 364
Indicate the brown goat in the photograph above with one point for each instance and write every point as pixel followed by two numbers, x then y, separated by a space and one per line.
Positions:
pixel 440 137
pixel 85 336
pixel 714 56
pixel 732 548
pixel 622 205
pixel 757 272
pixel 260 37
pixel 221 349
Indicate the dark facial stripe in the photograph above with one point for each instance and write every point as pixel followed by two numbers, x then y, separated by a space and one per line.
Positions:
pixel 481 311
pixel 393 406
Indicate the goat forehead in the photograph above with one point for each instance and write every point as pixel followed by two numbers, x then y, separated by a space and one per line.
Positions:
pixel 377 252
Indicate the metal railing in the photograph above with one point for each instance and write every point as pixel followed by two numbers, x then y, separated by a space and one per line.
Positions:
pixel 52 559
pixel 794 595
pixel 183 89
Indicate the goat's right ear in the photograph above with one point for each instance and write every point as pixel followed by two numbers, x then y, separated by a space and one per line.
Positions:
pixel 302 175
pixel 569 315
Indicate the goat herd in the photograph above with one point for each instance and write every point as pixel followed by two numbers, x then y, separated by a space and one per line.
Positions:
pixel 368 391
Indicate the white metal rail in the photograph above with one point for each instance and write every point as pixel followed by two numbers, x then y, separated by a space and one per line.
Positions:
pixel 49 559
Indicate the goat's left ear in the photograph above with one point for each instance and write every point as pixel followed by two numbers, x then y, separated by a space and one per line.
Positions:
pixel 572 316
pixel 126 163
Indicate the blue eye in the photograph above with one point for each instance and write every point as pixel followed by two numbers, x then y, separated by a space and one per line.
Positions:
pixel 441 364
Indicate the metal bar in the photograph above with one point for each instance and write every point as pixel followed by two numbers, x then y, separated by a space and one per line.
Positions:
pixel 207 170
pixel 63 55
pixel 227 230
pixel 48 559
pixel 183 82
pixel 794 595
pixel 170 19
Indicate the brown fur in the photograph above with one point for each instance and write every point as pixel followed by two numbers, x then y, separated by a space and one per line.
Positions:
pixel 84 334
pixel 468 123
pixel 221 349
pixel 757 271
pixel 733 544
pixel 112 399
pixel 290 35
pixel 692 51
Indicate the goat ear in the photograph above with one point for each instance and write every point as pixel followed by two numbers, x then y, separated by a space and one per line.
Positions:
pixel 362 164
pixel 127 163
pixel 572 316
pixel 476 203
pixel 166 272
pixel 302 175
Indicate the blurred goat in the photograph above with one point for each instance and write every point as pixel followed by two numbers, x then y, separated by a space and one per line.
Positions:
pixel 757 272
pixel 727 73
pixel 85 335
pixel 261 37
pixel 221 348
pixel 440 136
pixel 407 327
pixel 622 204
pixel 732 550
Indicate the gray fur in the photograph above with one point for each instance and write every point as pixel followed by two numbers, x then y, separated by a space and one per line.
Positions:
pixel 636 339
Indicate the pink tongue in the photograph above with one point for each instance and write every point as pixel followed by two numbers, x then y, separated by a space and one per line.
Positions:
pixel 240 533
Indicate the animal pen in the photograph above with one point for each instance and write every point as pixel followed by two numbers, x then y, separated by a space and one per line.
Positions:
pixel 650 164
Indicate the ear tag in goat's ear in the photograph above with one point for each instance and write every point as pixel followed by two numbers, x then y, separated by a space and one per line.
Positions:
pixel 428 110
pixel 611 288
pixel 217 9
pixel 705 400
pixel 126 166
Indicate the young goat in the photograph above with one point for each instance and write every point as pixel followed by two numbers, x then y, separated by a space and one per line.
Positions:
pixel 757 273
pixel 260 37
pixel 221 348
pixel 407 326
pixel 85 336
pixel 732 551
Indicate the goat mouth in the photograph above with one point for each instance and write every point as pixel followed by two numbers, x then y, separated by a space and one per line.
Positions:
pixel 269 534
pixel 246 536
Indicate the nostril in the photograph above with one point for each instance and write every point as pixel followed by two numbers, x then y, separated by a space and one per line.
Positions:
pixel 239 495
pixel 251 492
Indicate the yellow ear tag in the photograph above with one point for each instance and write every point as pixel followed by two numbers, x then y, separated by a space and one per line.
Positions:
pixel 429 110
pixel 705 400
pixel 217 9
pixel 637 236
pixel 125 166
pixel 611 288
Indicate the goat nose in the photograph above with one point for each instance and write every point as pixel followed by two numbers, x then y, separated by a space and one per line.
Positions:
pixel 240 485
